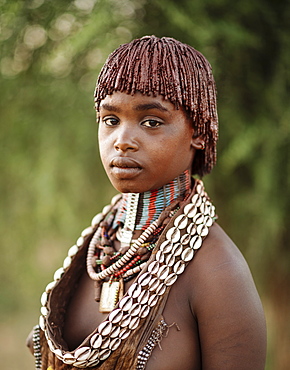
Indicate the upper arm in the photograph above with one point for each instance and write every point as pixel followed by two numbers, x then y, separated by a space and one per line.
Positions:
pixel 227 308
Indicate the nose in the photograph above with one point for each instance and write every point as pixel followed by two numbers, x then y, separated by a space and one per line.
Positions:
pixel 125 140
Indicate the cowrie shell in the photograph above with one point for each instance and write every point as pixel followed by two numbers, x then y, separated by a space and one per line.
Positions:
pixel 199 188
pixel 171 279
pixel 126 303
pixel 125 321
pixel 187 254
pixel 202 208
pixel 124 333
pixel 115 332
pixel 144 279
pixel 166 246
pixel 163 272
pixel 202 230
pixel 134 290
pixel 173 234
pixel 116 316
pixel 143 297
pixel 58 353
pixel 154 267
pixel 170 259
pixel 106 342
pixel 177 250
pixel 161 289
pixel 115 199
pixel 208 221
pixel 181 221
pixel 160 256
pixel 96 340
pixel 105 353
pixel 185 239
pixel 144 311
pixel 81 364
pixel 153 284
pixel 68 358
pixel 196 242
pixel 94 358
pixel 51 345
pixel 135 309
pixel 190 210
pixel 105 328
pixel 191 229
pixel 82 353
pixel 179 267
pixel 196 200
pixel 153 300
pixel 198 219
pixel 134 322
pixel 114 344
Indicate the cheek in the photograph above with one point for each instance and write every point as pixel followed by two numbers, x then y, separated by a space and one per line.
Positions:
pixel 103 143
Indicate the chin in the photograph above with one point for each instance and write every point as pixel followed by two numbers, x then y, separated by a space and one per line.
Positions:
pixel 129 187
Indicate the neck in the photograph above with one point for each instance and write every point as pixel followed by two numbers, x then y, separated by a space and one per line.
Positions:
pixel 151 203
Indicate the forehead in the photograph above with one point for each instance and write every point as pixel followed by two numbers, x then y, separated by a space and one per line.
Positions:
pixel 120 101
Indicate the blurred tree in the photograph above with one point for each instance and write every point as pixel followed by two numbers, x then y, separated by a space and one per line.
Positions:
pixel 52 181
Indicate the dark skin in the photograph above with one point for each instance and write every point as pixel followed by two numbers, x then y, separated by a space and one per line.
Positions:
pixel 214 302
pixel 215 305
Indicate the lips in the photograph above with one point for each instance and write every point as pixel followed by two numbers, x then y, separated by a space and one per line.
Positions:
pixel 125 168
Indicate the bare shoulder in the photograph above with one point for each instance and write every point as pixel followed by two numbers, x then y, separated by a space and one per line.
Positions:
pixel 219 257
pixel 226 305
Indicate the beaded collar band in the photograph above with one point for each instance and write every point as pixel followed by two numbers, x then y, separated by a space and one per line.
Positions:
pixel 152 203
pixel 175 249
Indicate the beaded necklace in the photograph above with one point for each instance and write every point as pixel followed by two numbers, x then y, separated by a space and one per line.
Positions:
pixel 109 268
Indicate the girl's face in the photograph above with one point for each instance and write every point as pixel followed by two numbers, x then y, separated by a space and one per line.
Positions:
pixel 144 141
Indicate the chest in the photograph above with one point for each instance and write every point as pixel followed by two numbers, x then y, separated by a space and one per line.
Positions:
pixel 179 343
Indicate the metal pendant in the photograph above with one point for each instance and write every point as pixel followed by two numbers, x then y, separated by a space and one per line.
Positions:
pixel 109 296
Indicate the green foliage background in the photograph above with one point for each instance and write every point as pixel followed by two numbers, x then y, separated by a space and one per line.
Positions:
pixel 52 182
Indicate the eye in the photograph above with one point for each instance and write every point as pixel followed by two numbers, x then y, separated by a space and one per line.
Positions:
pixel 110 121
pixel 151 123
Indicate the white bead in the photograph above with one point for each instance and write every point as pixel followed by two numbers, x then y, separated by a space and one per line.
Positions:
pixel 106 209
pixel 42 323
pixel 87 231
pixel 44 311
pixel 66 262
pixel 80 241
pixel 58 273
pixel 43 299
pixel 97 219
pixel 50 286
pixel 73 250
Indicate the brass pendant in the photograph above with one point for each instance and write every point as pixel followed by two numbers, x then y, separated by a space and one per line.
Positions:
pixel 109 296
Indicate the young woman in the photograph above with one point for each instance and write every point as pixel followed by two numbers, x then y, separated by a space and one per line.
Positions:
pixel 154 282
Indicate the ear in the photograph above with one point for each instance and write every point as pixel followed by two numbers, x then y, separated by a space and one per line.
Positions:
pixel 197 142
